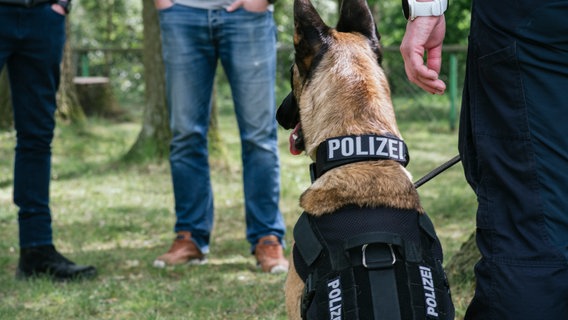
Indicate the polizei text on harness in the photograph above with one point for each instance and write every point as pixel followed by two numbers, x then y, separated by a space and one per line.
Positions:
pixel 335 300
pixel 429 292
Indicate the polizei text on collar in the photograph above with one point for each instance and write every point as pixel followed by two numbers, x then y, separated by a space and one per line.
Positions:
pixel 365 146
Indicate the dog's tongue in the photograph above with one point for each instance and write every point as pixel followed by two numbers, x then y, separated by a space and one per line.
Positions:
pixel 292 139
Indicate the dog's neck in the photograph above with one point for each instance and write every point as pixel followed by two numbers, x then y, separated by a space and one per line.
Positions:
pixel 338 151
pixel 355 175
pixel 365 184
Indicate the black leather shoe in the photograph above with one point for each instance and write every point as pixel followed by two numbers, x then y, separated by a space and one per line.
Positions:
pixel 45 260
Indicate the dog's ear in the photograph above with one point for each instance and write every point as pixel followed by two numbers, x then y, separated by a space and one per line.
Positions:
pixel 310 33
pixel 355 16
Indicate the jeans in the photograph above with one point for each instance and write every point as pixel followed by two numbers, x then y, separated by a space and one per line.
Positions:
pixel 193 40
pixel 515 155
pixel 31 45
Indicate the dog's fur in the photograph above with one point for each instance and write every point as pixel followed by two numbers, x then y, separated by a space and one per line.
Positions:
pixel 341 89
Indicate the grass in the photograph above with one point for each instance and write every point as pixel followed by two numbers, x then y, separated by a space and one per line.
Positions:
pixel 119 218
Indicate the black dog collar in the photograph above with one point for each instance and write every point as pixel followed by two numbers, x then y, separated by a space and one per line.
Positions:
pixel 343 150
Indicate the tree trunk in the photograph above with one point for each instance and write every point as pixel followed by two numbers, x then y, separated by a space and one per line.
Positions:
pixel 96 97
pixel 68 106
pixel 6 118
pixel 153 139
pixel 460 267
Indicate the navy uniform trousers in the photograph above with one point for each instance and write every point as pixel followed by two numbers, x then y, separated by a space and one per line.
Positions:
pixel 514 148
pixel 31 46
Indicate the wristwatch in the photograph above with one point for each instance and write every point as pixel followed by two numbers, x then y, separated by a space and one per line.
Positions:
pixel 65 4
pixel 413 8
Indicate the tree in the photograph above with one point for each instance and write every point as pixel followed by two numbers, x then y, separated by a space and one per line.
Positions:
pixel 68 106
pixel 6 119
pixel 153 139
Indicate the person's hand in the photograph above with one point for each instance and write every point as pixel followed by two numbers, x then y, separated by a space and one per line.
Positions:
pixel 424 35
pixel 249 5
pixel 163 4
pixel 57 8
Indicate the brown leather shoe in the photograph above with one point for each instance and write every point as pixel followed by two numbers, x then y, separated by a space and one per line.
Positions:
pixel 269 255
pixel 182 251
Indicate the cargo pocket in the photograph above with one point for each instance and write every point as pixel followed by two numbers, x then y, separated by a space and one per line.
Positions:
pixel 500 103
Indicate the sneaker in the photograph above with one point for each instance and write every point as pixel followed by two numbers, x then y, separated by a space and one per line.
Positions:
pixel 269 255
pixel 182 251
pixel 45 260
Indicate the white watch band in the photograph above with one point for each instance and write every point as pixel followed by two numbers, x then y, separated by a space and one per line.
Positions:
pixel 426 9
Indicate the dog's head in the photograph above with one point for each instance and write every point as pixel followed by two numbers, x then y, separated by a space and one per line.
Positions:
pixel 338 85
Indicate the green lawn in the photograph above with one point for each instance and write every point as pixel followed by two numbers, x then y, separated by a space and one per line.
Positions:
pixel 119 217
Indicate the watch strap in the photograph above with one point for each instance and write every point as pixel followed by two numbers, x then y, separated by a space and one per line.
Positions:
pixel 413 8
pixel 65 4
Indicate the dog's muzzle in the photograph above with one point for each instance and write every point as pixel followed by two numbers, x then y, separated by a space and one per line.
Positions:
pixel 288 116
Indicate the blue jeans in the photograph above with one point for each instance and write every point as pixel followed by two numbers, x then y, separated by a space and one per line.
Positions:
pixel 31 45
pixel 193 40
pixel 515 154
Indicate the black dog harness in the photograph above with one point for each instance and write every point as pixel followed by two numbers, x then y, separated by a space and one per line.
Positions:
pixel 371 263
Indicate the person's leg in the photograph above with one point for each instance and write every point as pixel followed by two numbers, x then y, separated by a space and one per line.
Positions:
pixel 248 54
pixel 513 146
pixel 190 59
pixel 34 70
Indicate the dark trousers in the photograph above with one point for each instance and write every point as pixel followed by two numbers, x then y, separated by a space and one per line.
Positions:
pixel 514 147
pixel 31 46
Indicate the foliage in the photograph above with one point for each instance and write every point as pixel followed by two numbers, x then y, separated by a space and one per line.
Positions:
pixel 109 36
pixel 107 23
pixel 117 24
pixel 458 19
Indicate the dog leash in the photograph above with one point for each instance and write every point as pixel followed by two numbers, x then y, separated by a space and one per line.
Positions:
pixel 430 175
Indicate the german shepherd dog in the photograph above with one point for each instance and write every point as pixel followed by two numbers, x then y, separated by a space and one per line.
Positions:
pixel 340 107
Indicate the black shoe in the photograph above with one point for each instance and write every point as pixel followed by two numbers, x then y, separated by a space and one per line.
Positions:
pixel 45 260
